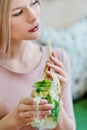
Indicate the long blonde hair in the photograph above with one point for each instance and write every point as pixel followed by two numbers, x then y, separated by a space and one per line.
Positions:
pixel 5 27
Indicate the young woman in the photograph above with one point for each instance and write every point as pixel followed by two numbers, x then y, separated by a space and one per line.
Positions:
pixel 22 62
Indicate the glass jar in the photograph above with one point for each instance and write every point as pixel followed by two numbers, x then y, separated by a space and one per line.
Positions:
pixel 47 89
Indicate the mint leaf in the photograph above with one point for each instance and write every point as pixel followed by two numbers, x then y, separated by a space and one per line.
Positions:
pixel 43 85
pixel 55 110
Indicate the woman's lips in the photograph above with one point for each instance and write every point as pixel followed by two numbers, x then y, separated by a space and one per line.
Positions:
pixel 34 29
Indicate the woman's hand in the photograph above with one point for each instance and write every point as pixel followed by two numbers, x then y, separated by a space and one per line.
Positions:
pixel 56 66
pixel 25 112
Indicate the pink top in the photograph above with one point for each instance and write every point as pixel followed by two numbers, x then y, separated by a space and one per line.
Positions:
pixel 14 86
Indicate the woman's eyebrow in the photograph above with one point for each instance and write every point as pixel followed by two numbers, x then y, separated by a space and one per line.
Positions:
pixel 16 8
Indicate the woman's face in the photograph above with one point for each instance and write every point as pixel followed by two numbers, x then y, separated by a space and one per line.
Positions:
pixel 25 19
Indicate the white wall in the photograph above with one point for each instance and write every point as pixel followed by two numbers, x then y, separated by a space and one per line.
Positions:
pixel 61 13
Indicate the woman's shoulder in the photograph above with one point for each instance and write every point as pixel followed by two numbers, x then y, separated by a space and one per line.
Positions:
pixel 60 52
pixel 63 57
pixel 56 49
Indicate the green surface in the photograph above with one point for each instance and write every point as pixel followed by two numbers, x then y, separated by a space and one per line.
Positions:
pixel 80 109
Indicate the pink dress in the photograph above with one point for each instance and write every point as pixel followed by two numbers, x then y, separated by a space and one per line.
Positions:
pixel 14 86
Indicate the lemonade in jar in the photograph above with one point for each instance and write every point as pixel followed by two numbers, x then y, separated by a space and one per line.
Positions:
pixel 49 90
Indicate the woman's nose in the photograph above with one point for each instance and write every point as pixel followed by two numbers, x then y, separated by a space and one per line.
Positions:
pixel 32 15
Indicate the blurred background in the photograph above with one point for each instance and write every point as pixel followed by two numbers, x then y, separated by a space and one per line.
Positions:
pixel 65 23
pixel 62 13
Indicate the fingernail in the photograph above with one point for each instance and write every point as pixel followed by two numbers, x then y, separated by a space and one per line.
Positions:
pixel 45 101
pixel 52 106
pixel 49 111
pixel 53 54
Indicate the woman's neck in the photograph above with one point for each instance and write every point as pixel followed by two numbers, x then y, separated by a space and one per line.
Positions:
pixel 23 57
pixel 18 49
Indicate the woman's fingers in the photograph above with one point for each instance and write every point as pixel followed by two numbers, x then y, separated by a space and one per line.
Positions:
pixel 23 108
pixel 32 114
pixel 45 107
pixel 57 62
pixel 27 115
pixel 57 69
pixel 27 101
pixel 31 101
pixel 63 80
pixel 27 109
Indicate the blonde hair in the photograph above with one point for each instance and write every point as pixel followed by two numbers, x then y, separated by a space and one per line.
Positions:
pixel 5 26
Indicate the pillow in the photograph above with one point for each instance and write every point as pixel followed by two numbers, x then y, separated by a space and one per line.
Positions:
pixel 73 40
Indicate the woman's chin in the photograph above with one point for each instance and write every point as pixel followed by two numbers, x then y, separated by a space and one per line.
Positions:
pixel 35 37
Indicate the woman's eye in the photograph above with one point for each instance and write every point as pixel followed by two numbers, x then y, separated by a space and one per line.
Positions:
pixel 19 13
pixel 34 2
